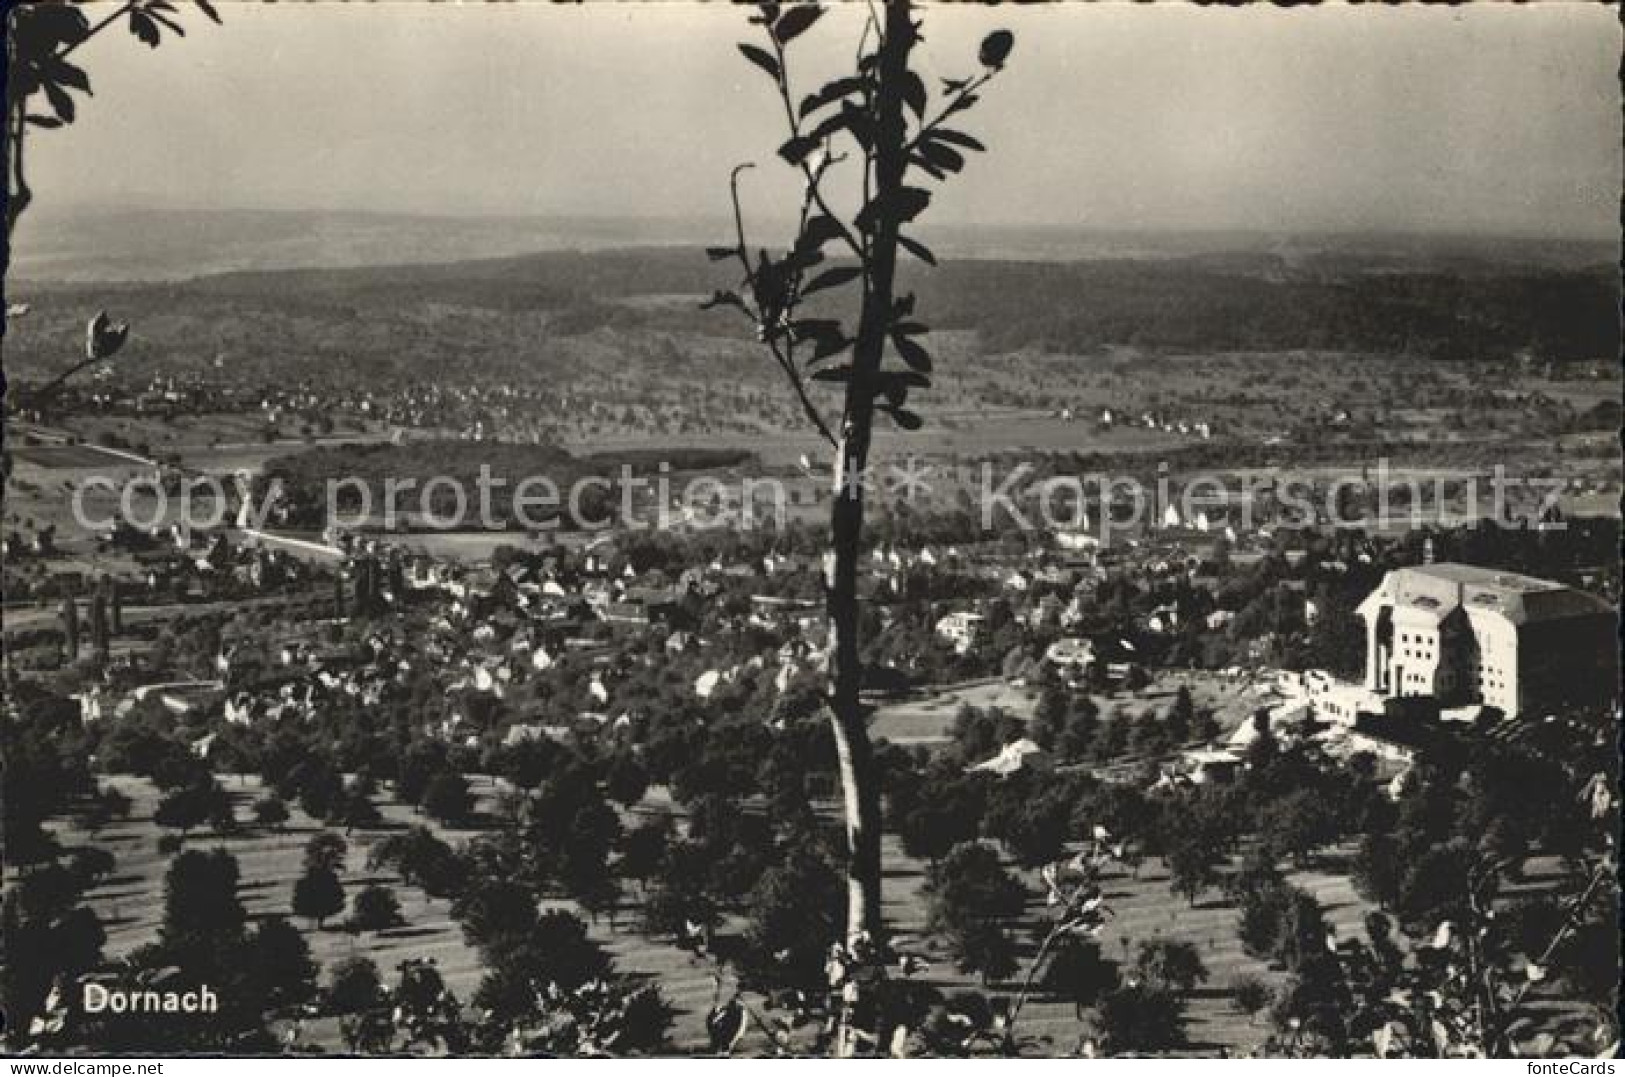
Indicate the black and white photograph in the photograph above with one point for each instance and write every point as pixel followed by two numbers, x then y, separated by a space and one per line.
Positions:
pixel 889 529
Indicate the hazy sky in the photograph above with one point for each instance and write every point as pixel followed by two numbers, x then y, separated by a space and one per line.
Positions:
pixel 1490 118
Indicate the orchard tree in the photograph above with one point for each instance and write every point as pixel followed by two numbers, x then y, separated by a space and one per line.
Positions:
pixel 883 121
pixel 375 908
pixel 448 799
pixel 1170 965
pixel 1079 973
pixel 281 963
pixel 203 918
pixel 354 986
pixel 968 896
pixel 270 811
pixel 326 850
pixel 793 919
pixel 318 894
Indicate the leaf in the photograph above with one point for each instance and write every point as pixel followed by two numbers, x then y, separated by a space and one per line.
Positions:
pixel 47 122
pixel 796 148
pixel 68 75
pixel 57 24
pixel 725 299
pixel 957 138
pixel 906 205
pixel 895 384
pixel 917 249
pixel 104 337
pixel 208 9
pixel 803 257
pixel 828 346
pixel 911 202
pixel 912 354
pixel 829 92
pixel 831 124
pixel 60 100
pixel 144 28
pixel 960 104
pixel 761 58
pixel 815 328
pixel 914 92
pixel 841 374
pixel 820 230
pixel 174 26
pixel 796 21
pixel 919 161
pixel 908 329
pixel 904 418
pixel 855 120
pixel 718 254
pixel 832 278
pixel 996 48
pixel 949 160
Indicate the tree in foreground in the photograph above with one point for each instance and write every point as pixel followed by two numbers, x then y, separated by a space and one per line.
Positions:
pixel 894 131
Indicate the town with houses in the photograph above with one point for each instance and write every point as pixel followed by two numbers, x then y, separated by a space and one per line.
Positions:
pixel 1167 611
pixel 1155 660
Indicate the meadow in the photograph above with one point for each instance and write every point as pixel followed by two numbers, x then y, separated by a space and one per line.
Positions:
pixel 130 904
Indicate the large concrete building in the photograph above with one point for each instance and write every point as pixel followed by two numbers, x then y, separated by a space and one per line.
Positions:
pixel 1465 634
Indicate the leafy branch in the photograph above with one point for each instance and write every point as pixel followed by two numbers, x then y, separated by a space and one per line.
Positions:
pixel 846 107
pixel 41 37
pixel 1073 890
pixel 860 116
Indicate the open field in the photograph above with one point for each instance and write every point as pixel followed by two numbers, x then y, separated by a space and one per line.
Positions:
pixel 72 457
pixel 130 904
pixel 1144 909
pixel 927 719
pixel 1278 407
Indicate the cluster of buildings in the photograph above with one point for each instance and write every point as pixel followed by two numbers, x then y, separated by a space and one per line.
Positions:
pixel 1447 645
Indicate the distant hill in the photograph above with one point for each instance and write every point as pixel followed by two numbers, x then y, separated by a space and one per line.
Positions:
pixel 535 315
pixel 59 243
pixel 106 245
